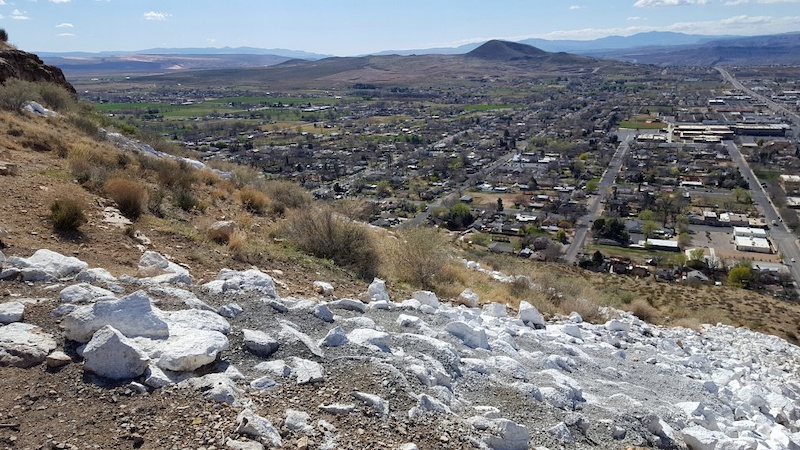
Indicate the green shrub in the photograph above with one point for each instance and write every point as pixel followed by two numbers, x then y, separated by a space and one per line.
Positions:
pixel 67 215
pixel 3 35
pixel 130 196
pixel 322 233
pixel 56 97
pixel 14 93
pixel 185 200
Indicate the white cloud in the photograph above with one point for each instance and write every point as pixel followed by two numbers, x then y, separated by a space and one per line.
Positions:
pixel 736 2
pixel 65 34
pixel 574 8
pixel 64 25
pixel 649 3
pixel 60 1
pixel 635 18
pixel 2 3
pixel 19 15
pixel 157 16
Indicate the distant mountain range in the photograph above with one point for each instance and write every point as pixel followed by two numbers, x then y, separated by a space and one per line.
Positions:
pixel 661 48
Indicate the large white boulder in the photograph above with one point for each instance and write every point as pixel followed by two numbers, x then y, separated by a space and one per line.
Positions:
pixel 531 316
pixel 152 264
pixel 189 349
pixel 133 316
pixel 234 281
pixel 46 265
pixel 260 428
pixel 306 371
pixel 197 318
pixel 259 343
pixel 505 434
pixel 11 312
pixel 111 355
pixel 427 298
pixel 373 339
pixel 84 293
pixel 468 298
pixel 377 291
pixel 495 309
pixel 471 337
pixel 24 345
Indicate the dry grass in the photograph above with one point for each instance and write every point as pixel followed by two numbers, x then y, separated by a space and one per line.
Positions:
pixel 130 196
pixel 418 257
pixel 286 195
pixel 253 200
pixel 643 310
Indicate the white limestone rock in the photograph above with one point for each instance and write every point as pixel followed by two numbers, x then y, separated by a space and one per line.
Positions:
pixel 426 298
pixel 188 349
pixel 297 421
pixel 243 445
pixel 377 291
pixel 373 339
pixel 263 383
pixel 323 288
pixel 697 437
pixel 234 282
pixel 217 387
pixel 561 432
pixel 616 326
pixel 133 316
pixel 231 310
pixel 276 368
pixel 24 345
pixel 187 297
pixel 405 320
pixel 306 371
pixel 289 334
pixel 95 275
pixel 84 293
pixel 111 355
pixel 323 313
pixel 260 343
pixel 348 304
pixel 572 329
pixel 379 405
pixel 199 319
pixel 531 316
pixel 471 337
pixel 338 409
pixel 495 309
pixel 427 405
pixel 468 298
pixel 46 265
pixel 260 428
pixel 11 312
pixel 336 337
pixel 57 359
pixel 152 264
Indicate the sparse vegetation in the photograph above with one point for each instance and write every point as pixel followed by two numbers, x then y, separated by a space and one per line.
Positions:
pixel 67 214
pixel 418 256
pixel 253 200
pixel 325 234
pixel 130 196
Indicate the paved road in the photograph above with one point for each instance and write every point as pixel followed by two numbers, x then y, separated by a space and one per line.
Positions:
pixel 606 181
pixel 781 236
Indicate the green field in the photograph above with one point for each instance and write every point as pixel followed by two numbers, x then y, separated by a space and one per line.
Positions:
pixel 642 125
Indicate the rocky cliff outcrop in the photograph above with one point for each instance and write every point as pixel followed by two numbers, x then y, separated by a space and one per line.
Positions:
pixel 29 67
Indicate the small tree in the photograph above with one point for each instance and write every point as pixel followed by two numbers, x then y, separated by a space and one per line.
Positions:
pixel 499 204
pixel 3 35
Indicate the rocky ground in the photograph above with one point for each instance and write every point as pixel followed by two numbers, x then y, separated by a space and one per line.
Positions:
pixel 157 361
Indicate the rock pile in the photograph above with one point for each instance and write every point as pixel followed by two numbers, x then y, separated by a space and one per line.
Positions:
pixel 487 376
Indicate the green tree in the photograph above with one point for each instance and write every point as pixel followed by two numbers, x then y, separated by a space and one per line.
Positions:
pixel 3 35
pixel 740 275
pixel 742 196
pixel 696 254
pixel 499 204
pixel 649 228
pixel 647 215
pixel 591 186
pixel 459 217
pixel 561 236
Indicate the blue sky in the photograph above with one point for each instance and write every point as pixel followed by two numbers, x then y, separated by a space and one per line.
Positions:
pixel 351 27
